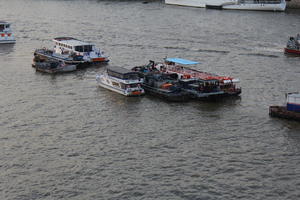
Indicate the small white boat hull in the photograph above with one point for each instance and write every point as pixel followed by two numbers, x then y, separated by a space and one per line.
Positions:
pixel 192 3
pixel 7 41
pixel 229 4
pixel 259 7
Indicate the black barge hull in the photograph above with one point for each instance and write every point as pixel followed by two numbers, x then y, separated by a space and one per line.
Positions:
pixel 169 96
pixel 282 112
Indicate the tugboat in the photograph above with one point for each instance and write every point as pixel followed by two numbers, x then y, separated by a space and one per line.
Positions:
pixel 122 81
pixel 6 35
pixel 72 51
pixel 175 65
pixel 290 111
pixel 53 66
pixel 165 86
pixel 293 45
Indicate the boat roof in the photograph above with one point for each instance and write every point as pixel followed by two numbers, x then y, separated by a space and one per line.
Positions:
pixel 120 70
pixel 295 95
pixel 182 61
pixel 70 41
pixel 3 22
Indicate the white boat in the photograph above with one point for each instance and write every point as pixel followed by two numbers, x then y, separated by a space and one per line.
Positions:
pixel 6 35
pixel 66 46
pixel 72 51
pixel 264 5
pixel 122 81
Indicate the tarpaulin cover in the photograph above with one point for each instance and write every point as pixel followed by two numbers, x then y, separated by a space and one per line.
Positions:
pixel 182 61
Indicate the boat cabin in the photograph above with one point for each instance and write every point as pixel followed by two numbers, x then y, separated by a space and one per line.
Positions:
pixel 69 45
pixel 4 26
pixel 122 73
pixel 201 85
pixel 6 35
pixel 293 102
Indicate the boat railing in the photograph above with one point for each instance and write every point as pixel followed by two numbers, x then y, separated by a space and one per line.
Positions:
pixel 126 81
pixel 260 1
pixel 190 72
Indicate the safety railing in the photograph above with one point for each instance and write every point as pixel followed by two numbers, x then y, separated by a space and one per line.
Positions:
pixel 260 1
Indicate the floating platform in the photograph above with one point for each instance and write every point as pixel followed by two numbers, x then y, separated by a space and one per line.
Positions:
pixel 282 112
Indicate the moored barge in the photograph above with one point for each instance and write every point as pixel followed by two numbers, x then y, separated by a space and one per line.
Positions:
pixel 165 87
pixel 53 67
pixel 290 111
pixel 196 88
pixel 179 66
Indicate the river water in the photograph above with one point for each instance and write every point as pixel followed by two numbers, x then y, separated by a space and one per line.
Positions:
pixel 62 137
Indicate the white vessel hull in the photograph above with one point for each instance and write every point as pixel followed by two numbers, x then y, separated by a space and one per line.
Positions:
pixel 105 82
pixel 7 41
pixel 262 7
pixel 230 4
pixel 109 87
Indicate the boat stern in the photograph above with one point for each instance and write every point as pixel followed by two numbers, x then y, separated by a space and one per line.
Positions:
pixel 132 92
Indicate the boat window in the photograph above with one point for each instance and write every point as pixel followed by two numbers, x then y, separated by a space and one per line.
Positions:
pixel 7 26
pixel 79 48
pixel 88 48
pixel 115 84
pixel 122 85
pixel 131 76
pixel 1 27
pixel 114 74
pixel 133 85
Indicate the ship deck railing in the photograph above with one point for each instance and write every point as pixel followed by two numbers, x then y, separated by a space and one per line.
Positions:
pixel 260 1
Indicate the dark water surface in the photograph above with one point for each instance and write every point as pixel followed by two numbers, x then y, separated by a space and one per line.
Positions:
pixel 62 137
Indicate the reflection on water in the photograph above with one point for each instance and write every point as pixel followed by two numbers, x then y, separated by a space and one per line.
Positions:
pixel 6 49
